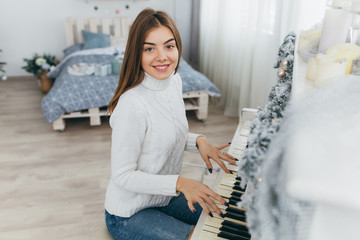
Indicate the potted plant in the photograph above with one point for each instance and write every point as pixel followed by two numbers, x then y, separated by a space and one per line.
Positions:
pixel 40 66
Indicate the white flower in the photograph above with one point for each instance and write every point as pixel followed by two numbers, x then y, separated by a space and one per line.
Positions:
pixel 40 61
pixel 52 68
pixel 45 66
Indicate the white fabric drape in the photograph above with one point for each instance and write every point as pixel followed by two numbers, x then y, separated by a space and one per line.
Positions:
pixel 239 40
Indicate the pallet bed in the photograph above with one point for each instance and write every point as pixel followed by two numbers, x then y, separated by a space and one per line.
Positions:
pixel 118 27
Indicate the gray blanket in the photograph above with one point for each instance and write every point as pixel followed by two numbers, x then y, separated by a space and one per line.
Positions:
pixel 74 93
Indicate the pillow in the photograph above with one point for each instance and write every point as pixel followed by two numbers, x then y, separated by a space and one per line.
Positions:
pixel 73 48
pixel 95 40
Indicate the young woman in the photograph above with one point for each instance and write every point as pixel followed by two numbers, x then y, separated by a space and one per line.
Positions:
pixel 146 198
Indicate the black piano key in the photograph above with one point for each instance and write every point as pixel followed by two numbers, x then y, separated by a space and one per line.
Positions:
pixel 233 202
pixel 235 210
pixel 235 216
pixel 234 225
pixel 237 183
pixel 231 236
pixel 236 198
pixel 238 178
pixel 238 188
pixel 235 231
pixel 238 194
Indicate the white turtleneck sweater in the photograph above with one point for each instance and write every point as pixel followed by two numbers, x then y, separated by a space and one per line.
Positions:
pixel 149 136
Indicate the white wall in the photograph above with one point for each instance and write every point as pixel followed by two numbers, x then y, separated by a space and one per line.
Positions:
pixel 37 26
pixel 310 12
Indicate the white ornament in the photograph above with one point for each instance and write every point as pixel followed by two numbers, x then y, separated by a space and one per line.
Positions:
pixel 284 63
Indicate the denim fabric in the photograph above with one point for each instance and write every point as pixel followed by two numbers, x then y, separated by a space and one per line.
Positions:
pixel 172 222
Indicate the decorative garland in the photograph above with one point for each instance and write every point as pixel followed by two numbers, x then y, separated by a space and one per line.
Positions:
pixel 266 125
pixel 268 119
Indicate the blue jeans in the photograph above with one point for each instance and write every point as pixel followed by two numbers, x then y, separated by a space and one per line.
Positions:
pixel 173 221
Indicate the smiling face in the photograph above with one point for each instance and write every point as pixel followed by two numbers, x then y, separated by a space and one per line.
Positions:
pixel 160 55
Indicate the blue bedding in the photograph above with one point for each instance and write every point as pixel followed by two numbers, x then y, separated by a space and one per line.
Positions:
pixel 74 93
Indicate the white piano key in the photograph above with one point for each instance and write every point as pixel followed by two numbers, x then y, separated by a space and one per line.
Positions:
pixel 206 235
pixel 227 182
pixel 245 131
pixel 233 168
pixel 212 229
pixel 227 188
pixel 211 221
pixel 241 147
pixel 221 206
pixel 229 175
pixel 237 154
pixel 224 193
pixel 242 140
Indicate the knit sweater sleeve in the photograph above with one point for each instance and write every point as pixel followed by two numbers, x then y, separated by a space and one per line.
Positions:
pixel 191 142
pixel 191 137
pixel 128 124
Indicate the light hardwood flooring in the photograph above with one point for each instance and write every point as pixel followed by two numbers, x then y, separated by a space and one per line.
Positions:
pixel 52 184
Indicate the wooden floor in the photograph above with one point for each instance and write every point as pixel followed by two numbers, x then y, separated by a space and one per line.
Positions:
pixel 52 184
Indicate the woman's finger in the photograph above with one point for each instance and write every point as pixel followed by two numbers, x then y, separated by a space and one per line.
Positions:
pixel 204 206
pixel 191 207
pixel 217 197
pixel 220 163
pixel 207 161
pixel 222 146
pixel 227 158
pixel 230 156
pixel 212 204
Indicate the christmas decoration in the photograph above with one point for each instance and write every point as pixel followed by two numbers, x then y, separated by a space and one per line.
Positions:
pixel 281 73
pixel 284 63
pixel 264 128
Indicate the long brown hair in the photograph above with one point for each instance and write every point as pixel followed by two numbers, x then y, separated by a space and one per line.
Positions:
pixel 131 73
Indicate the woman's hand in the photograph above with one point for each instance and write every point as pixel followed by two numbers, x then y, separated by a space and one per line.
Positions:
pixel 197 192
pixel 207 151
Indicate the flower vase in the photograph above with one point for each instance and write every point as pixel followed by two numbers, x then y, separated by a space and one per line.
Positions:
pixel 45 82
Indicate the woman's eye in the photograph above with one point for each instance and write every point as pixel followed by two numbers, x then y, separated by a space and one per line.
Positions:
pixel 170 46
pixel 149 49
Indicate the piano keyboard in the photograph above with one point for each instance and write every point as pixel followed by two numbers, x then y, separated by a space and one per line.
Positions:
pixel 233 226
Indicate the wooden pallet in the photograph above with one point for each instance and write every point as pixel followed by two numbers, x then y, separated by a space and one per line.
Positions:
pixel 117 27
pixel 93 113
pixel 196 101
